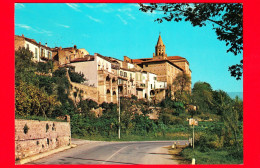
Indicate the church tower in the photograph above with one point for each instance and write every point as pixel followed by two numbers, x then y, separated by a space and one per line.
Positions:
pixel 159 50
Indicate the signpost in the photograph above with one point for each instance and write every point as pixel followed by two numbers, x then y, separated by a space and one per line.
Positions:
pixel 193 122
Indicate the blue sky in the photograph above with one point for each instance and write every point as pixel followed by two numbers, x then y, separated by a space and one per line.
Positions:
pixel 117 30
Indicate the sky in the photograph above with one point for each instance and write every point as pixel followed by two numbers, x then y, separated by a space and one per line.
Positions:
pixel 121 29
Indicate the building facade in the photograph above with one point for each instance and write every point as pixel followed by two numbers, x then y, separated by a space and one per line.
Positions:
pixel 41 53
pixel 108 77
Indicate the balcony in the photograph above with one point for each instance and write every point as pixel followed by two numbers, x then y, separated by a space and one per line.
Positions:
pixel 140 85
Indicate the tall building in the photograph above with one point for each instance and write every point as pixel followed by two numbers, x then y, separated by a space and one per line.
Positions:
pixel 165 67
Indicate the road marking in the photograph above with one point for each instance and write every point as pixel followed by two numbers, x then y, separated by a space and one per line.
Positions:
pixel 114 154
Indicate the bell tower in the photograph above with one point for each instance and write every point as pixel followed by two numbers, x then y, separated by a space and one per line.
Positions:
pixel 159 50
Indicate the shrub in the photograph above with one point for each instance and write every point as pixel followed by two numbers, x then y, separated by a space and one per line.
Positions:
pixel 76 77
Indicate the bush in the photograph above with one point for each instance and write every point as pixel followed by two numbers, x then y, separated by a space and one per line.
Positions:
pixel 45 67
pixel 207 141
pixel 76 77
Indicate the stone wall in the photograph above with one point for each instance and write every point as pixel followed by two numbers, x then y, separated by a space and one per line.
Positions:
pixel 18 42
pixel 34 137
pixel 87 92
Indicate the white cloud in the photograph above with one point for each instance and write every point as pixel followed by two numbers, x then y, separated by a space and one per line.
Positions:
pixel 19 5
pixel 74 6
pixel 134 5
pixel 36 30
pixel 62 25
pixel 24 26
pixel 123 20
pixel 94 19
pixel 131 16
pixel 125 10
pixel 43 31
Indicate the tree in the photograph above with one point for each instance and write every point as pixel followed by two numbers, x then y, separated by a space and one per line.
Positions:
pixel 31 100
pixel 226 19
pixel 77 77
pixel 181 86
pixel 202 97
pixel 24 66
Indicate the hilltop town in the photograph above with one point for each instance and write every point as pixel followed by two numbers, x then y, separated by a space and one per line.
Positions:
pixel 107 78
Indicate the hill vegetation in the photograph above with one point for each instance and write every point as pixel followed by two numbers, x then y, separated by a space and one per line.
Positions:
pixel 44 93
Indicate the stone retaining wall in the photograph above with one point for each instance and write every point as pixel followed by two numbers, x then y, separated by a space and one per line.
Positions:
pixel 33 137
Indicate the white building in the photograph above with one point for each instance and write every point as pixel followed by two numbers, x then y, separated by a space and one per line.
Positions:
pixel 40 52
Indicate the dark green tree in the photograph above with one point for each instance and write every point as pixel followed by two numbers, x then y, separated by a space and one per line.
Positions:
pixel 202 97
pixel 24 66
pixel 182 85
pixel 226 20
pixel 77 77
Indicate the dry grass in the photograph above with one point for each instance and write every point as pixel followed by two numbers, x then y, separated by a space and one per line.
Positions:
pixel 176 155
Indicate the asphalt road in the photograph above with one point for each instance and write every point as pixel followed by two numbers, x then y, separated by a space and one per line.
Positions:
pixel 93 152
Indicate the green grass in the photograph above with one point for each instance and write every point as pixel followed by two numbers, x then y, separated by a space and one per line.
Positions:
pixel 210 156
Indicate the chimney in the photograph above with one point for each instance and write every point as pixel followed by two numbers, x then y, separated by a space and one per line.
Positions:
pixel 40 43
pixel 22 35
pixel 45 44
pixel 75 47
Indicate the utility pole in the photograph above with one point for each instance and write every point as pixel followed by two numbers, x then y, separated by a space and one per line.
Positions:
pixel 119 114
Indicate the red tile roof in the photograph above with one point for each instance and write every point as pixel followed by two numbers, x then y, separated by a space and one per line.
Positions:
pixel 89 58
pixel 174 57
pixel 34 42
pixel 163 60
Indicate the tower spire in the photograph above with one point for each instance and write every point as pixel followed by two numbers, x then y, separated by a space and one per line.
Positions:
pixel 160 49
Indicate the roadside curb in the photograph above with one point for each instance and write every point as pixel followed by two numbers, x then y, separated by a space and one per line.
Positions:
pixel 44 154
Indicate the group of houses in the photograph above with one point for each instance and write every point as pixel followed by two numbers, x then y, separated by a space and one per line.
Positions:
pixel 108 77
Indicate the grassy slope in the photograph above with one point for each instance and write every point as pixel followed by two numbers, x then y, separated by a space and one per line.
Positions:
pixel 210 157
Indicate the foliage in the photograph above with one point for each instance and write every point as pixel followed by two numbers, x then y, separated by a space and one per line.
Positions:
pixel 226 20
pixel 181 85
pixel 202 97
pixel 30 100
pixel 77 77
pixel 24 66
pixel 45 67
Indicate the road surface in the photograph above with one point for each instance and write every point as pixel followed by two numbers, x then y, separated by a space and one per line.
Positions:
pixel 94 152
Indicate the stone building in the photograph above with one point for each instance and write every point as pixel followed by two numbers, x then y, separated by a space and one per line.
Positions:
pixel 63 56
pixel 108 77
pixel 165 67
pixel 41 53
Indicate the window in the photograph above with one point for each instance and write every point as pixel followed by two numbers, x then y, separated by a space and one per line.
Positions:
pixel 120 81
pixel 49 54
pixel 125 74
pixel 130 76
pixel 36 53
pixel 27 46
pixel 155 78
pixel 151 86
pixel 121 73
pixel 41 52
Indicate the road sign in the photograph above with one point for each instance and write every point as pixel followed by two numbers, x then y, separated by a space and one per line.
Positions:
pixel 193 122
